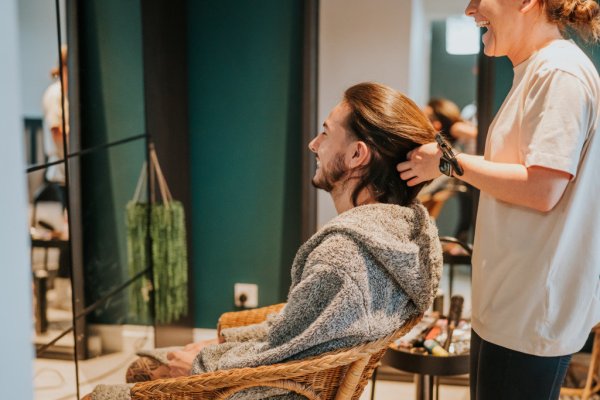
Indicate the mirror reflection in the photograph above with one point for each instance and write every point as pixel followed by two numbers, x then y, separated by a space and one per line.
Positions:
pixel 105 219
pixel 112 93
pixel 46 126
pixel 44 87
pixel 50 260
pixel 56 125
pixel 451 109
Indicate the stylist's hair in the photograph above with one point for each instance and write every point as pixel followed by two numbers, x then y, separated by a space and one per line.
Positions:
pixel 391 125
pixel 581 16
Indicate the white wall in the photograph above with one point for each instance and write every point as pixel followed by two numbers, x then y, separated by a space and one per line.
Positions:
pixel 15 285
pixel 38 50
pixel 373 40
pixel 440 9
pixel 420 54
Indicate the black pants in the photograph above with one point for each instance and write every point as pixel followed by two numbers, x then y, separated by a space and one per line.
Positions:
pixel 498 373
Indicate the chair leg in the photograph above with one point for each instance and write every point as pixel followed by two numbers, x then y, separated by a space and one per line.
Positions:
pixel 352 378
pixel 373 380
pixel 591 386
pixel 450 279
pixel 592 370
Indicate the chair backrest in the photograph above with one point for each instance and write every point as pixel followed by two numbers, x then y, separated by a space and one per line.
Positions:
pixel 341 374
pixel 336 375
pixel 376 357
pixel 247 317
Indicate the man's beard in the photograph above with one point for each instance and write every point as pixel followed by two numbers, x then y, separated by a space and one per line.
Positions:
pixel 331 173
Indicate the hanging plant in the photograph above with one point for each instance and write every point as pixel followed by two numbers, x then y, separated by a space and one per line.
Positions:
pixel 169 252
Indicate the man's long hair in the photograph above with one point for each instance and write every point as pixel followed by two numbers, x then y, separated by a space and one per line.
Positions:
pixel 391 125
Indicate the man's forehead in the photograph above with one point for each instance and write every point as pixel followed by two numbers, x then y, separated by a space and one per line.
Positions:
pixel 337 116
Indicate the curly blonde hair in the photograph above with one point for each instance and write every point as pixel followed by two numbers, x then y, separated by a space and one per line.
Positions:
pixel 582 16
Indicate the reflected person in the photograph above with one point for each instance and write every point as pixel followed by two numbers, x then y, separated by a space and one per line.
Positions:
pixel 53 189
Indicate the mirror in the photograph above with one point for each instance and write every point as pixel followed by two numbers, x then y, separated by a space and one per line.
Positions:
pixel 50 260
pixel 82 290
pixel 44 81
pixel 411 47
pixel 113 150
pixel 451 109
pixel 45 131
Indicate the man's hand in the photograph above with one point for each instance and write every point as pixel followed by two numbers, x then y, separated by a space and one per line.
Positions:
pixel 180 362
pixel 423 164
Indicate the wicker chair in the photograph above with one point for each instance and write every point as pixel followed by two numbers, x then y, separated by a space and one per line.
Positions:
pixel 340 374
pixel 591 386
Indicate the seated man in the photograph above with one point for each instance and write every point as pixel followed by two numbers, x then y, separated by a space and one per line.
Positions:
pixel 365 273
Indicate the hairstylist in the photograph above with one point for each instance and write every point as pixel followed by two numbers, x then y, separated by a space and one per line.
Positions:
pixel 536 265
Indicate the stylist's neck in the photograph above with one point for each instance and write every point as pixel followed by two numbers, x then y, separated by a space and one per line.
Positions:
pixel 342 196
pixel 536 34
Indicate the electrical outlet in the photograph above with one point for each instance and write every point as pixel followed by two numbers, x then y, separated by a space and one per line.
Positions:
pixel 250 290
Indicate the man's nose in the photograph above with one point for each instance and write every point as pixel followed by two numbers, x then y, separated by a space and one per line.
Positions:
pixel 471 8
pixel 312 146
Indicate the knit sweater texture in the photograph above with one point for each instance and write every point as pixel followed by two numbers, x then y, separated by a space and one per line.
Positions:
pixel 359 278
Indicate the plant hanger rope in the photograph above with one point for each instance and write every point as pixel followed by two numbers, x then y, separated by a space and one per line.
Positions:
pixel 169 250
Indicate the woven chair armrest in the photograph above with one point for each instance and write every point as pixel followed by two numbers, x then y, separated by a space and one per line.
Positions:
pixel 223 379
pixel 246 317
pixel 243 377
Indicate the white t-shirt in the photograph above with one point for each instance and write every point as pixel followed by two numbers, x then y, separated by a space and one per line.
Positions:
pixel 51 104
pixel 536 276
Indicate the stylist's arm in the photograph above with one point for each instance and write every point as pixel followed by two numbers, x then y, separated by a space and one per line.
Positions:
pixel 535 187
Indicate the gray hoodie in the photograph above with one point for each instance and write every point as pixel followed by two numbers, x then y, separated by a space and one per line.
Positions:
pixel 359 278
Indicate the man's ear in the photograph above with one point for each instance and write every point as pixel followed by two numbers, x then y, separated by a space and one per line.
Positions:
pixel 361 154
pixel 527 5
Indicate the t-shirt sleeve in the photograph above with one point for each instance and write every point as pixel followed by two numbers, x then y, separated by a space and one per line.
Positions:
pixel 555 121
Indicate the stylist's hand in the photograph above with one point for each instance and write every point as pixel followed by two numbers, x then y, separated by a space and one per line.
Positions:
pixel 422 165
pixel 180 362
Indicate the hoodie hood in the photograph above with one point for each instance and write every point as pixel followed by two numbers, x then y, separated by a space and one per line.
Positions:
pixel 403 240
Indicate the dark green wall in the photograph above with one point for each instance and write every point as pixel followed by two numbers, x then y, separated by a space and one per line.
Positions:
pixel 593 51
pixel 245 112
pixel 503 80
pixel 452 76
pixel 112 108
pixel 245 61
